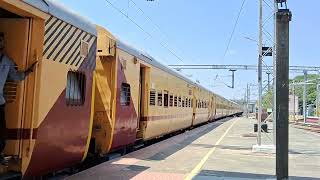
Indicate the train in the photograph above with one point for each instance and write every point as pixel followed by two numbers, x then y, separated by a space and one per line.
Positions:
pixel 90 93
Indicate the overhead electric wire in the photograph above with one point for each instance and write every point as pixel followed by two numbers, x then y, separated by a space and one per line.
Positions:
pixel 165 35
pixel 234 28
pixel 142 29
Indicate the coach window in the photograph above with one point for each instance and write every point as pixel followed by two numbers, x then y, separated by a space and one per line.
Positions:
pixel 179 103
pixel 175 101
pixel 125 94
pixel 152 97
pixel 182 101
pixel 160 98
pixel 187 101
pixel 75 90
pixel 171 100
pixel 165 99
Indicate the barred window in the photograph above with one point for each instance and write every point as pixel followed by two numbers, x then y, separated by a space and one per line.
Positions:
pixel 186 102
pixel 125 94
pixel 159 98
pixel 171 101
pixel 75 90
pixel 165 99
pixel 152 97
pixel 182 101
pixel 175 101
pixel 179 103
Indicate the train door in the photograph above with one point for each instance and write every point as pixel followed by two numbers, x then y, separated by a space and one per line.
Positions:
pixel 19 95
pixel 142 99
pixel 16 32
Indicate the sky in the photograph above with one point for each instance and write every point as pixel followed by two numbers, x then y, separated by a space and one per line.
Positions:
pixel 198 33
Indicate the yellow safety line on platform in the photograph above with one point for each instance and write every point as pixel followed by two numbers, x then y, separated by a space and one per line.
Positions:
pixel 197 169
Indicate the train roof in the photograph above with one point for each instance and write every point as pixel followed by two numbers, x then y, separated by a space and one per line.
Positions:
pixel 57 10
pixel 150 60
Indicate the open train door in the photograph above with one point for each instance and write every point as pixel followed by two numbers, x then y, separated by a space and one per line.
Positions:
pixel 20 96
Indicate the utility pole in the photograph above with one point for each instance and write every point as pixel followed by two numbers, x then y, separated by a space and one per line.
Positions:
pixel 245 102
pixel 317 103
pixel 294 101
pixel 260 74
pixel 249 94
pixel 305 96
pixel 282 94
pixel 274 119
pixel 248 99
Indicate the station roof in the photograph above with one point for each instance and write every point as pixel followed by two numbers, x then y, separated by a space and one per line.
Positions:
pixel 55 9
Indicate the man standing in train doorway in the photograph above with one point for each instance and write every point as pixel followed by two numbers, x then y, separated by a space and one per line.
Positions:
pixel 7 72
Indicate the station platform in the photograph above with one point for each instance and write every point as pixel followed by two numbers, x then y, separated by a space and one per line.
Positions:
pixel 219 150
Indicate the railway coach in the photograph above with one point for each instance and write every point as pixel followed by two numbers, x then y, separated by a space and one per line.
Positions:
pixel 47 115
pixel 90 93
pixel 139 99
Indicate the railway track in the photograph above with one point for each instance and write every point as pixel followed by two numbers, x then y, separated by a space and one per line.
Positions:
pixel 309 126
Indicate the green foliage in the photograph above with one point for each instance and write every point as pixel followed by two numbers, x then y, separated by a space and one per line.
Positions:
pixel 311 89
pixel 267 100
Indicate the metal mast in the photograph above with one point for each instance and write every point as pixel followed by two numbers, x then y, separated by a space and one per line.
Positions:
pixel 260 73
pixel 274 74
pixel 305 73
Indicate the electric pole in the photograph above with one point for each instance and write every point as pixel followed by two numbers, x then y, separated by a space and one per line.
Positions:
pixel 305 73
pixel 294 101
pixel 283 17
pixel 248 99
pixel 260 73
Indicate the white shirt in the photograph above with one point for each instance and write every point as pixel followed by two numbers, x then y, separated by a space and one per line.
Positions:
pixel 8 72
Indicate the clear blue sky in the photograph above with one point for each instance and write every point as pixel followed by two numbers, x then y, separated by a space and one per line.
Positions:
pixel 198 32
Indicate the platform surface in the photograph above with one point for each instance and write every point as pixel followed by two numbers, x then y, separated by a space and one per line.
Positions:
pixel 220 150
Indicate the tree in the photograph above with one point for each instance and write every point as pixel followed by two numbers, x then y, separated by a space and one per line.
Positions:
pixel 267 100
pixel 311 89
pixel 267 97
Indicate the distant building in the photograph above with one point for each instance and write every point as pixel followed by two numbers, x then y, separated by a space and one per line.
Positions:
pixel 293 105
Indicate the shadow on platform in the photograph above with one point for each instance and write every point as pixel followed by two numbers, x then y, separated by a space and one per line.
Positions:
pixel 211 174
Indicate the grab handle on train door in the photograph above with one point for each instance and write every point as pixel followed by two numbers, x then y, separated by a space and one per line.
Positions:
pixel 33 103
